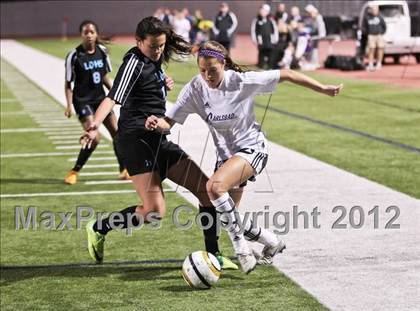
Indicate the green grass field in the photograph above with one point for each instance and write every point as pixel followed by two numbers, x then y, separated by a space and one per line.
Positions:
pixel 45 269
pixel 69 281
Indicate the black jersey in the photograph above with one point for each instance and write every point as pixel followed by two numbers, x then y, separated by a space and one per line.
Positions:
pixel 87 71
pixel 140 88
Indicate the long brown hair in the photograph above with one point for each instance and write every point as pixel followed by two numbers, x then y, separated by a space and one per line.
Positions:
pixel 174 43
pixel 217 47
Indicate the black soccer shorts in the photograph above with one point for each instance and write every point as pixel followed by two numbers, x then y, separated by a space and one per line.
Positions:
pixel 148 152
pixel 84 110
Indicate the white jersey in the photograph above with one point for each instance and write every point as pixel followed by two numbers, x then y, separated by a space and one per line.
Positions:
pixel 227 110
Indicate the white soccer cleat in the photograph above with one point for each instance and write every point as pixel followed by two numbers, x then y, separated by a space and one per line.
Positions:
pixel 268 253
pixel 247 262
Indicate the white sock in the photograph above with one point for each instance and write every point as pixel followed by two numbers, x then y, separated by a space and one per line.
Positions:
pixel 254 233
pixel 226 208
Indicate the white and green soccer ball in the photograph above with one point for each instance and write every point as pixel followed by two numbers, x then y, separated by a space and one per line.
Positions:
pixel 201 270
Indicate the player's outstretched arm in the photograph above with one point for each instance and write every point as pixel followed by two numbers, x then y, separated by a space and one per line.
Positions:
pixel 159 124
pixel 305 81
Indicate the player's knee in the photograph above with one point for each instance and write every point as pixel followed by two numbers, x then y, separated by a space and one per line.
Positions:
pixel 215 188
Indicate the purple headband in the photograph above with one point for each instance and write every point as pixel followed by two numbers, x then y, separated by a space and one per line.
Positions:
pixel 211 53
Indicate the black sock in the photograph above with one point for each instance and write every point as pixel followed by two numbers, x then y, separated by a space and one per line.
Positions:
pixel 119 158
pixel 84 155
pixel 103 226
pixel 210 235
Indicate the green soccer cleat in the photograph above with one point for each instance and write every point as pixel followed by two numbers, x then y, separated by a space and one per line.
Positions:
pixel 226 263
pixel 95 242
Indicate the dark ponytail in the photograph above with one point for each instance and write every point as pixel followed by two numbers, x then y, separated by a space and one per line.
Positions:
pixel 99 39
pixel 229 63
pixel 174 43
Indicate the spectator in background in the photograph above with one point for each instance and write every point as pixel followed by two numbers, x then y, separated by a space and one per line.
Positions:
pixel 294 15
pixel 265 35
pixel 190 19
pixel 315 23
pixel 225 25
pixel 283 43
pixel 281 13
pixel 165 15
pixel 203 27
pixel 168 17
pixel 374 26
pixel 182 25
pixel 159 13
pixel 298 46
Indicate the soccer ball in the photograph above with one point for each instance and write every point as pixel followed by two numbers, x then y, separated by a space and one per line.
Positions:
pixel 201 270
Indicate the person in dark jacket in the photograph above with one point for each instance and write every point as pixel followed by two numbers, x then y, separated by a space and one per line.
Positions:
pixel 284 40
pixel 225 25
pixel 265 35
pixel 374 26
pixel 281 13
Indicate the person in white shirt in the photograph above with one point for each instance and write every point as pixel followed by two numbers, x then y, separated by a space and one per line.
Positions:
pixel 182 25
pixel 316 24
pixel 223 96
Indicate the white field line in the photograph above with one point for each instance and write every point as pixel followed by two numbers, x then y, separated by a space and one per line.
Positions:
pixel 59 130
pixel 100 165
pixel 58 121
pixel 94 159
pixel 43 117
pixel 65 137
pixel 48 131
pixel 64 142
pixel 64 132
pixel 12 113
pixel 21 130
pixel 109 173
pixel 47 154
pixel 61 126
pixel 56 124
pixel 8 100
pixel 108 182
pixel 39 106
pixel 77 147
pixel 48 114
pixel 60 194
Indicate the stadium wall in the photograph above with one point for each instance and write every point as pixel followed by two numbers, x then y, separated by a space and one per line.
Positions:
pixel 45 18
